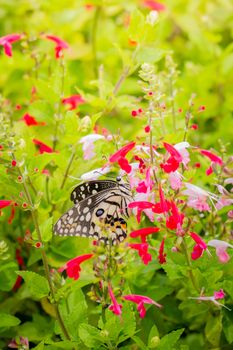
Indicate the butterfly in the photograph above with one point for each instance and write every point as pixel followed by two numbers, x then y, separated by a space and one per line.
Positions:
pixel 99 211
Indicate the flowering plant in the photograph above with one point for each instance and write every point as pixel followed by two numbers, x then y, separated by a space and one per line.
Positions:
pixel 72 111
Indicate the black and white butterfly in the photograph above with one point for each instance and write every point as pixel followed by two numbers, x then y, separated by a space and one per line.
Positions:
pixel 100 210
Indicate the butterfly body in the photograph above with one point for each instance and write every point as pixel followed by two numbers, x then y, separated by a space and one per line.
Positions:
pixel 99 212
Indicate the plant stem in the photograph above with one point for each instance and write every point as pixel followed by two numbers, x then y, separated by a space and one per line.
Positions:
pixel 44 257
pixel 68 169
pixel 94 37
pixel 191 275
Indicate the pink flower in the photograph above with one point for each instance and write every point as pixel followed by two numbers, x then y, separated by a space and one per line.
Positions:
pixel 162 255
pixel 146 185
pixel 6 42
pixel 88 145
pixel 144 232
pixel 19 343
pixel 140 300
pixel 197 197
pixel 175 220
pixel 115 307
pixel 4 203
pixel 175 180
pixel 60 45
pixel 142 249
pixel 72 266
pixel 199 247
pixel 73 101
pixel 43 148
pixel 181 147
pixel 217 295
pixel 30 120
pixel 221 249
pixel 154 5
pixel 214 159
pixel 120 155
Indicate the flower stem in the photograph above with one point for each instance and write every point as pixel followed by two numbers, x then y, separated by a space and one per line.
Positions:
pixel 67 169
pixel 94 37
pixel 191 275
pixel 58 116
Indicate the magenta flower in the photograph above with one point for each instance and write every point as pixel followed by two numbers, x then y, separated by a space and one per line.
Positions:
pixel 217 295
pixel 140 207
pixel 114 307
pixel 31 121
pixel 60 45
pixel 143 233
pixel 43 148
pixel 4 203
pixel 173 161
pixel 146 185
pixel 72 266
pixel 214 159
pixel 120 155
pixel 142 249
pixel 162 255
pixel 140 300
pixel 221 249
pixel 73 101
pixel 6 42
pixel 19 343
pixel 199 247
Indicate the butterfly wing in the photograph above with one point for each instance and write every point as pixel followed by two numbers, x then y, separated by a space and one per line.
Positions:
pixel 100 216
pixel 90 188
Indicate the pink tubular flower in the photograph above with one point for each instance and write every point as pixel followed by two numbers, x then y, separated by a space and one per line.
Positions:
pixel 146 185
pixel 72 266
pixel 143 233
pixel 19 343
pixel 60 45
pixel 120 155
pixel 173 161
pixel 162 255
pixel 217 295
pixel 115 307
pixel 175 220
pixel 140 300
pixel 175 179
pixel 73 101
pixel 88 145
pixel 197 197
pixel 142 249
pixel 214 159
pixel 43 148
pixel 30 120
pixel 199 247
pixel 6 42
pixel 154 5
pixel 221 249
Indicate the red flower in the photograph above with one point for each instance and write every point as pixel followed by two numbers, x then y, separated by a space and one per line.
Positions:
pixel 140 300
pixel 154 5
pixel 119 157
pixel 214 159
pixel 140 207
pixel 60 45
pixel 142 249
pixel 4 203
pixel 73 101
pixel 175 220
pixel 162 255
pixel 143 233
pixel 199 247
pixel 43 148
pixel 30 120
pixel 72 266
pixel 173 161
pixel 6 42
pixel 115 307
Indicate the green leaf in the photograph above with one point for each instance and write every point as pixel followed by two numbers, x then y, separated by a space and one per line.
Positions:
pixel 153 337
pixel 149 55
pixel 37 285
pixel 139 342
pixel 137 26
pixel 213 329
pixel 7 320
pixel 7 275
pixel 40 346
pixel 169 340
pixel 90 336
pixel 46 231
pixel 228 326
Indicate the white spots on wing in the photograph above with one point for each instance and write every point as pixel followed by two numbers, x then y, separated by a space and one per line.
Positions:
pixel 82 188
pixel 84 229
pixel 88 217
pixel 70 212
pixel 96 185
pixel 59 224
pixel 89 201
pixel 85 210
pixel 71 221
pixel 94 192
pixel 72 230
pixel 82 218
pixel 66 230
pixel 61 230
pixel 78 228
pixel 121 238
pixel 83 196
pixel 74 194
